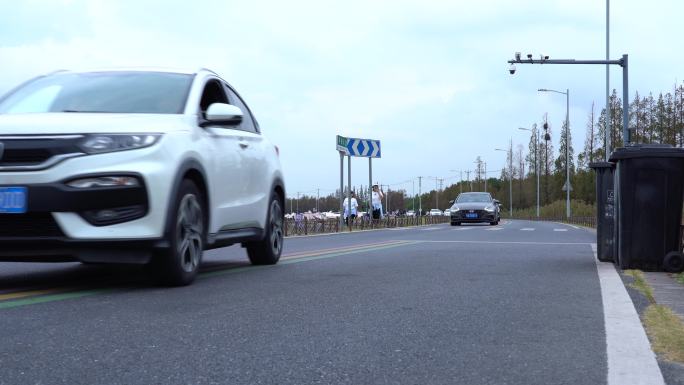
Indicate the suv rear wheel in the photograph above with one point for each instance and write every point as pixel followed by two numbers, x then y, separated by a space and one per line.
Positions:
pixel 268 250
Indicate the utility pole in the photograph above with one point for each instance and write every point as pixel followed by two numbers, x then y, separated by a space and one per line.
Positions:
pixel 413 193
pixel 470 183
pixel 460 184
pixel 623 62
pixel 608 111
pixel 568 211
pixel 420 203
pixel 510 186
pixel 485 175
pixel 387 208
pixel 318 197
pixel 341 190
pixel 440 180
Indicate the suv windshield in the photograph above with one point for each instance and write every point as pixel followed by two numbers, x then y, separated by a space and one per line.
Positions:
pixel 470 198
pixel 112 92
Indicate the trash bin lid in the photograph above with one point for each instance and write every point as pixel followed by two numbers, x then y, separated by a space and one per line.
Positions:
pixel 601 165
pixel 647 151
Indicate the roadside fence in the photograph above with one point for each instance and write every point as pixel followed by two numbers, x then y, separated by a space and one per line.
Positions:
pixel 307 226
pixel 579 221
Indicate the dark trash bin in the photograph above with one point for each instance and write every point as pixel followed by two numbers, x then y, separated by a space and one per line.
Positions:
pixel 605 211
pixel 649 181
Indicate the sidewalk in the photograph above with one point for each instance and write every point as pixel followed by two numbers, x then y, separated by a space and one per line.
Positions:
pixel 667 291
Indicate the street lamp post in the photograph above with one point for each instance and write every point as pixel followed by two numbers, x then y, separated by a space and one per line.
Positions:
pixel 537 165
pixel 510 178
pixel 568 211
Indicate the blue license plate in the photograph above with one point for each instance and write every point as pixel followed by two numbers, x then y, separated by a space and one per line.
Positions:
pixel 13 200
pixel 471 215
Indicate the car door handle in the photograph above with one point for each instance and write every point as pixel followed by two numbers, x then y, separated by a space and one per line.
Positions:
pixel 243 145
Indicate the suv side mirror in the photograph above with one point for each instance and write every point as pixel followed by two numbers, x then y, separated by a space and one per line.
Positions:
pixel 223 114
pixel 451 202
pixel 496 202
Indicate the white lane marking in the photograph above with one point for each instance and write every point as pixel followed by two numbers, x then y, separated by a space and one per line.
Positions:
pixel 506 242
pixel 430 228
pixel 464 228
pixel 560 229
pixel 567 224
pixel 527 229
pixel 630 358
pixel 494 229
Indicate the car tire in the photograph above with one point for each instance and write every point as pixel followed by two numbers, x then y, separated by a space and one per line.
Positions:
pixel 493 223
pixel 268 250
pixel 455 223
pixel 178 265
pixel 673 262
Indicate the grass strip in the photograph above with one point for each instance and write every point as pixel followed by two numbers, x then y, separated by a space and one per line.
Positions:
pixel 666 331
pixel 640 284
pixel 679 278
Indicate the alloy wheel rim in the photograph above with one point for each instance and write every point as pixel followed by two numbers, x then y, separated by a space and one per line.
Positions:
pixel 276 216
pixel 189 228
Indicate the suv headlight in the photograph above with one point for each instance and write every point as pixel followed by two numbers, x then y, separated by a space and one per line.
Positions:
pixel 101 143
pixel 105 181
pixel 489 209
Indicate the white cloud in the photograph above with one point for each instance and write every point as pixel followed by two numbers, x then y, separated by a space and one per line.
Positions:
pixel 428 78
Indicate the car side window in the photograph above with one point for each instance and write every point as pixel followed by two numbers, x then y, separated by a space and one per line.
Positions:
pixel 213 93
pixel 247 120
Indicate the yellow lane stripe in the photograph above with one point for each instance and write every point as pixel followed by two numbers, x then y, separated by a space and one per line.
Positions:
pixel 335 249
pixel 56 290
pixel 30 293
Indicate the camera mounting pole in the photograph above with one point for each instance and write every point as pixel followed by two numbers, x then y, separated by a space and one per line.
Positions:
pixel 625 85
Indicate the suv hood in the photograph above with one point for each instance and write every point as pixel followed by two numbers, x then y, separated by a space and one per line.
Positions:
pixel 91 123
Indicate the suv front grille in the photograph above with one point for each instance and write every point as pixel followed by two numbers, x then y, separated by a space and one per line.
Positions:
pixel 20 153
pixel 17 157
pixel 29 225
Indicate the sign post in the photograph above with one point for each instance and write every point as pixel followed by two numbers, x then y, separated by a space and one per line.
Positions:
pixel 366 148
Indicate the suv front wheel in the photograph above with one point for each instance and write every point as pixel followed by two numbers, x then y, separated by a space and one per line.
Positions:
pixel 179 264
pixel 268 250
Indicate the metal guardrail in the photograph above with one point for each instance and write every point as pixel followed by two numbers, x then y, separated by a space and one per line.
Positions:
pixel 324 226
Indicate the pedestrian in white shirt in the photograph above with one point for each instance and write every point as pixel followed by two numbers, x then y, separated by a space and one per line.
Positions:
pixel 376 201
pixel 350 212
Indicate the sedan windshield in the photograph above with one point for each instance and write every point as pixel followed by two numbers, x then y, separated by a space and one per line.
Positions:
pixel 473 198
pixel 111 92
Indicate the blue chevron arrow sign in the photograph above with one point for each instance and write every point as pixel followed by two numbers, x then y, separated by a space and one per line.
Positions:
pixel 368 148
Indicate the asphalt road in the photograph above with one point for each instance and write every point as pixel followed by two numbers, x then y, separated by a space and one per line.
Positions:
pixel 519 303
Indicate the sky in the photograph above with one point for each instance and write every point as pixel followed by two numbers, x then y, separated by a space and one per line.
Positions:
pixel 429 79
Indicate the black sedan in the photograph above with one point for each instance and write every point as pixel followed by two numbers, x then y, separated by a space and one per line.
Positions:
pixel 475 207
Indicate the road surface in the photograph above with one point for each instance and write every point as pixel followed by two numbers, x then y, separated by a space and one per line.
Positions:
pixel 518 303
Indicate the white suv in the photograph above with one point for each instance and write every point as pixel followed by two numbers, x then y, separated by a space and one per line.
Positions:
pixel 135 166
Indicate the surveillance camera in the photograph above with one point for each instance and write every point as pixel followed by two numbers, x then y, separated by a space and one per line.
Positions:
pixel 529 56
pixel 544 57
pixel 517 56
pixel 512 69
